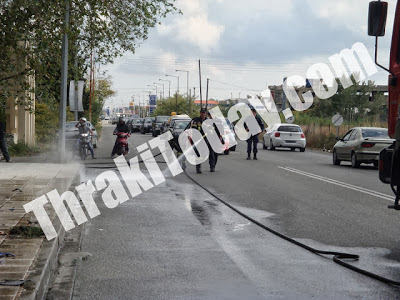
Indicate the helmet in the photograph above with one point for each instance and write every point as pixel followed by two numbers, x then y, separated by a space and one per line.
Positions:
pixel 83 119
pixel 173 113
pixel 121 120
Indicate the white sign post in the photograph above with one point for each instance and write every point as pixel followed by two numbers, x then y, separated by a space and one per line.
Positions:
pixel 75 96
pixel 337 120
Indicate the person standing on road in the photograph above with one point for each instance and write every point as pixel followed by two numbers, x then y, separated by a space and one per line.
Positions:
pixel 197 123
pixel 84 128
pixel 253 139
pixel 3 142
pixel 213 156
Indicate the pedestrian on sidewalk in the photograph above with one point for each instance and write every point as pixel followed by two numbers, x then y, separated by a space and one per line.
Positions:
pixel 3 141
pixel 253 139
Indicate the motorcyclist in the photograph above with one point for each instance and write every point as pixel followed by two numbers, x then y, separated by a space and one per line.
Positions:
pixel 83 127
pixel 121 127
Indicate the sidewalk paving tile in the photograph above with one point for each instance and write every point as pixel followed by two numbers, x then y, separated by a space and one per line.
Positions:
pixel 21 183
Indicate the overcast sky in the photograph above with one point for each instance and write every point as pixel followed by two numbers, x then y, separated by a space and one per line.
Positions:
pixel 244 45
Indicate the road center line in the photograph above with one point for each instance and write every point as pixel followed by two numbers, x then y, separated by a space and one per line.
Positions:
pixel 340 183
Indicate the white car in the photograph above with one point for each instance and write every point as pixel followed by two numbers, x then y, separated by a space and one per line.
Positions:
pixel 285 136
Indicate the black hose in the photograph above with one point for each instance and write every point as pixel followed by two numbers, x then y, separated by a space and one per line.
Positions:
pixel 338 257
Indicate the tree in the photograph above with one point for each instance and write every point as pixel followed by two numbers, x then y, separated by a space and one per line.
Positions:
pixel 31 32
pixel 353 103
pixel 168 105
pixel 103 91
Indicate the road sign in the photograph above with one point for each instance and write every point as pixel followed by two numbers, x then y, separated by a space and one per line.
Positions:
pixel 337 120
pixel 153 103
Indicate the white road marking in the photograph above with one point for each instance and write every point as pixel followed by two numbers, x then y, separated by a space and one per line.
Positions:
pixel 340 183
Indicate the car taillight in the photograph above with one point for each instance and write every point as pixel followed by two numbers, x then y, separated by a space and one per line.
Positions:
pixel 367 145
pixel 277 134
pixel 303 136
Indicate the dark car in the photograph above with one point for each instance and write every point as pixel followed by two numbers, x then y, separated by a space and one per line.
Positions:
pixel 147 125
pixel 72 133
pixel 178 126
pixel 135 124
pixel 158 124
pixel 128 123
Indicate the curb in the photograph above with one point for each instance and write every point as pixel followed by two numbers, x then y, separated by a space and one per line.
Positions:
pixel 46 261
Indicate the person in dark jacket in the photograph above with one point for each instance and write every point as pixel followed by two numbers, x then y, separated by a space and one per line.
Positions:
pixel 197 123
pixel 3 142
pixel 121 127
pixel 83 127
pixel 253 139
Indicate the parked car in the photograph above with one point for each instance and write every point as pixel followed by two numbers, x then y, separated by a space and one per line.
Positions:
pixel 147 125
pixel 135 124
pixel 285 136
pixel 158 124
pixel 72 133
pixel 114 120
pixel 361 145
pixel 128 123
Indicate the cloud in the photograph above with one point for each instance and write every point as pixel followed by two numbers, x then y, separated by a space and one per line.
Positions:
pixel 194 27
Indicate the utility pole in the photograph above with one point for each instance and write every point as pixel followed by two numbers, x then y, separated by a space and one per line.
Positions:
pixel 64 77
pixel 201 98
pixel 187 86
pixel 194 95
pixel 176 95
pixel 207 94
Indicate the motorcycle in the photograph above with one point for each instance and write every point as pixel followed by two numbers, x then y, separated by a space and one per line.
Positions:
pixel 84 140
pixel 122 143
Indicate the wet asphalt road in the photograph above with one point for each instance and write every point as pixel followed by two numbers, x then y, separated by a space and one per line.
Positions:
pixel 175 241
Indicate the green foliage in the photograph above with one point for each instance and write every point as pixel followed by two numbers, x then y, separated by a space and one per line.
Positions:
pixel 179 105
pixel 46 122
pixel 31 32
pixel 21 149
pixel 27 231
pixel 353 103
pixel 102 91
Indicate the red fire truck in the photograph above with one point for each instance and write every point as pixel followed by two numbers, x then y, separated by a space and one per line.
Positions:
pixel 389 158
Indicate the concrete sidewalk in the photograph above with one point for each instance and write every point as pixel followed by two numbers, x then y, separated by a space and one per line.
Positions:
pixel 21 182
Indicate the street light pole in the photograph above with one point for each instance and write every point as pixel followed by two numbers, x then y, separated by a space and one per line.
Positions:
pixel 63 92
pixel 169 88
pixel 162 87
pixel 176 95
pixel 187 86
pixel 155 86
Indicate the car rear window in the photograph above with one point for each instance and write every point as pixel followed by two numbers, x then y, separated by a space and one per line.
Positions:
pixel 378 133
pixel 161 119
pixel 289 129
pixel 181 125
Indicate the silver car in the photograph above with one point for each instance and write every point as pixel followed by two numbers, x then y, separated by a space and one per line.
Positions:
pixel 361 145
pixel 285 136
